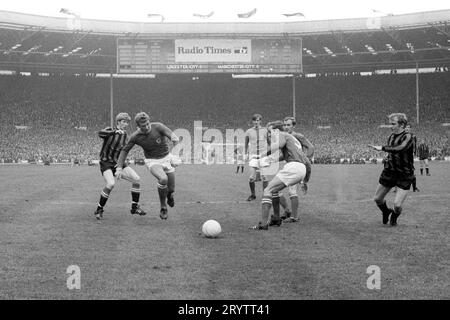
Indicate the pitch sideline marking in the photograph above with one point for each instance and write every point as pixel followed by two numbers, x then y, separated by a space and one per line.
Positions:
pixel 432 198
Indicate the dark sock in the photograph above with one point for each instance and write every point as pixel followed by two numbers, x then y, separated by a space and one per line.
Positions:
pixel 252 187
pixel 427 170
pixel 421 171
pixel 266 205
pixel 265 184
pixel 414 182
pixel 397 210
pixel 276 206
pixel 384 208
pixel 135 194
pixel 103 197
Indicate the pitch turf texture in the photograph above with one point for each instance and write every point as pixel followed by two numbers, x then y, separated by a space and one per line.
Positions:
pixel 47 224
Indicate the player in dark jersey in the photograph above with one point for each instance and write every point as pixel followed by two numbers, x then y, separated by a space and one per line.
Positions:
pixel 285 147
pixel 154 139
pixel 414 141
pixel 423 151
pixel 308 148
pixel 398 168
pixel 113 141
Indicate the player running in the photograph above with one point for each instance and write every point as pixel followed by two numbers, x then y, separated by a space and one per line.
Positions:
pixel 289 125
pixel 297 169
pixel 113 141
pixel 154 138
pixel 398 168
pixel 255 146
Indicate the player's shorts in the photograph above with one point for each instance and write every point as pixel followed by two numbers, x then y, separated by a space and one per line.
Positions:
pixel 164 162
pixel 109 166
pixel 240 162
pixel 254 161
pixel 292 173
pixel 392 179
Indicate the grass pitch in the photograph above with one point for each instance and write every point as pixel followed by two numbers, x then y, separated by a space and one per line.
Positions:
pixel 47 224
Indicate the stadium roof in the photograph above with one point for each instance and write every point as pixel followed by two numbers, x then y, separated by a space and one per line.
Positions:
pixel 46 44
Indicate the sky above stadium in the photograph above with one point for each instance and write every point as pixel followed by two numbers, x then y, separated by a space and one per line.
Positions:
pixel 221 10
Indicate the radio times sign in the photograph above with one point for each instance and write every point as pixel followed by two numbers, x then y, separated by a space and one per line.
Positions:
pixel 213 50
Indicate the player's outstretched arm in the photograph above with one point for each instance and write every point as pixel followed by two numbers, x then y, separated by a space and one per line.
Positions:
pixel 124 153
pixel 106 132
pixel 399 148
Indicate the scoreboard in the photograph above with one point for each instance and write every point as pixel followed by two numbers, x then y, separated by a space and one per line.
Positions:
pixel 164 56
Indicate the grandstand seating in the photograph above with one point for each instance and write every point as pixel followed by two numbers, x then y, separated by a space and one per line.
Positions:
pixel 351 106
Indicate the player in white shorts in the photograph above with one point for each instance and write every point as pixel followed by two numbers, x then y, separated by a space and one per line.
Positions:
pixel 297 169
pixel 154 139
pixel 255 147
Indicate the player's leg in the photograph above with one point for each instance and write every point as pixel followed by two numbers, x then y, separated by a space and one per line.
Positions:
pixel 414 184
pixel 293 195
pixel 422 162
pixel 158 172
pixel 170 188
pixel 274 186
pixel 284 204
pixel 275 220
pixel 380 194
pixel 130 175
pixel 427 168
pixel 404 184
pixel 400 197
pixel 110 181
pixel 251 182
pixel 242 168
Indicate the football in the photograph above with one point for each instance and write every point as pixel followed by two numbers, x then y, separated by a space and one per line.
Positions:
pixel 211 229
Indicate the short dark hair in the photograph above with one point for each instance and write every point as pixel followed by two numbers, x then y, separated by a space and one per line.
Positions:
pixel 292 119
pixel 141 117
pixel 277 124
pixel 256 116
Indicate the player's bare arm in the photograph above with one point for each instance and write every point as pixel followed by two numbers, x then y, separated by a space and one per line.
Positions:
pixel 122 156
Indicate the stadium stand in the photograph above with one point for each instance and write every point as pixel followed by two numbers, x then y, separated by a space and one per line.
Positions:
pixel 58 115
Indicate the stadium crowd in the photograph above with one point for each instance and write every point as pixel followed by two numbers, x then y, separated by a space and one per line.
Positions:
pixel 58 116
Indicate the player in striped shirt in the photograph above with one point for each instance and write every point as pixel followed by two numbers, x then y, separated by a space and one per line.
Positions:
pixel 414 141
pixel 154 139
pixel 398 168
pixel 255 146
pixel 423 152
pixel 113 141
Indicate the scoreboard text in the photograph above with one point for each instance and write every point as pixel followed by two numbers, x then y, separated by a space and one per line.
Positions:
pixel 140 56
